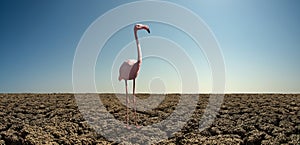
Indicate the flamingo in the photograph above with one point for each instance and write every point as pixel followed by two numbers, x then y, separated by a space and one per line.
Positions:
pixel 130 69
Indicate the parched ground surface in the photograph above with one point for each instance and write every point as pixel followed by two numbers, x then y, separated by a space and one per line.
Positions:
pixel 242 119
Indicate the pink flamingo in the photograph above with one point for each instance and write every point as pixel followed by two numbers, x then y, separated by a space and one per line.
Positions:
pixel 130 69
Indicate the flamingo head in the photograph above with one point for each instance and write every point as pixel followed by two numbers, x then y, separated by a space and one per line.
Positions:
pixel 141 26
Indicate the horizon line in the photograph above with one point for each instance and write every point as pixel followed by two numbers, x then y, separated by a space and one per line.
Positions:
pixel 191 93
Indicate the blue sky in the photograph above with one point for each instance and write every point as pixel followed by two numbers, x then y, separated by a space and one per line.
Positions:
pixel 260 41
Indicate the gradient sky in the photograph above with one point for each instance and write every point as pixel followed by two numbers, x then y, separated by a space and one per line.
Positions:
pixel 260 41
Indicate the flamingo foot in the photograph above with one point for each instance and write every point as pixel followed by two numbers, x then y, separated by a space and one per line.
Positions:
pixel 128 127
pixel 138 126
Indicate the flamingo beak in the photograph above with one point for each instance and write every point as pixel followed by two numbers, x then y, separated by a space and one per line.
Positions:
pixel 148 30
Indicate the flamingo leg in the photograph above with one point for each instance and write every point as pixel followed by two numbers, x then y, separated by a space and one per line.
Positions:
pixel 134 104
pixel 127 105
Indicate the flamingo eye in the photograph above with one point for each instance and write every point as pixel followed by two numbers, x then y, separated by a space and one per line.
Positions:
pixel 138 25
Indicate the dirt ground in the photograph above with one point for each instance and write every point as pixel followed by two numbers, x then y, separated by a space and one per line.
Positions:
pixel 242 119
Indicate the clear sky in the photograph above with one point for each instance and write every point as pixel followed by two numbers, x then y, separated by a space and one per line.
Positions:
pixel 260 41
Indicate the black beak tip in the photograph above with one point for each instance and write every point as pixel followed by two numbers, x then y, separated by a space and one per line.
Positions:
pixel 148 30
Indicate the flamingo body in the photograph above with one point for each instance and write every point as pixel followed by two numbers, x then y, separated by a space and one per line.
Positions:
pixel 129 69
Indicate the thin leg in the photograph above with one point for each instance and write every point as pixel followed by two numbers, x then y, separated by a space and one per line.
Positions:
pixel 127 105
pixel 134 104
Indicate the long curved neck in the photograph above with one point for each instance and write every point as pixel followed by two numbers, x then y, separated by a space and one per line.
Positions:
pixel 138 47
